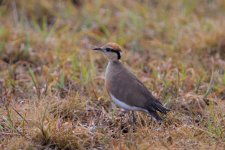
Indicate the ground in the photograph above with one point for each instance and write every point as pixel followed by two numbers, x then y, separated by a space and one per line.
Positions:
pixel 52 93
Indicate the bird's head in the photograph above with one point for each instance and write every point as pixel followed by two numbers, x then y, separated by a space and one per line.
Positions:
pixel 111 50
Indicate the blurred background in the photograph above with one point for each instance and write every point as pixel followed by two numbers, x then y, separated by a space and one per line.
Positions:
pixel 52 85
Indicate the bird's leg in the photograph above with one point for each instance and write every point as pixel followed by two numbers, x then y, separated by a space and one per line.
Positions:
pixel 121 131
pixel 133 116
pixel 133 121
pixel 123 116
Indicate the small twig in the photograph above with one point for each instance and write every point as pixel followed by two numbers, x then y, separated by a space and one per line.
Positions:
pixel 93 89
pixel 9 133
pixel 12 124
pixel 19 114
pixel 35 83
pixel 210 85
pixel 42 123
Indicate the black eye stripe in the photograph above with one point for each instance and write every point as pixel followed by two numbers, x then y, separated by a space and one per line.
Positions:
pixel 118 55
pixel 117 52
pixel 114 51
pixel 108 49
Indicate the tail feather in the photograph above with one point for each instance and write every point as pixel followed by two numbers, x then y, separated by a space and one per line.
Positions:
pixel 159 107
pixel 154 107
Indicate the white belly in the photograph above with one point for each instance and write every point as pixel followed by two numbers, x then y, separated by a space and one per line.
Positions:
pixel 124 105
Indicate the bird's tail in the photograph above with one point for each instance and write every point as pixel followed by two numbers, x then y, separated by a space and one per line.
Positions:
pixel 154 107
pixel 159 107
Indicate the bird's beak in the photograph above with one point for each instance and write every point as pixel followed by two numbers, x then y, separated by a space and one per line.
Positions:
pixel 98 49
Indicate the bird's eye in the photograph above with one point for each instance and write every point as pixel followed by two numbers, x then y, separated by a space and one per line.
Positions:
pixel 108 49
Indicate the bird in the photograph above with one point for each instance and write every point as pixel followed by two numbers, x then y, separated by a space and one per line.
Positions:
pixel 124 88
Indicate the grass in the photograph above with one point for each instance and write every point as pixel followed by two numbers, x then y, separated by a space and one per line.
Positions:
pixel 52 93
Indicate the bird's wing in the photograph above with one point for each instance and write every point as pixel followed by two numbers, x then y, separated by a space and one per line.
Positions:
pixel 151 103
pixel 129 89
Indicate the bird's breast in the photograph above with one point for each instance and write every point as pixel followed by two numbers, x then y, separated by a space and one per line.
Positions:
pixel 108 77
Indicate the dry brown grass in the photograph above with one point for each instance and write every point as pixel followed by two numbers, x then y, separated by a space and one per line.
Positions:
pixel 52 92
